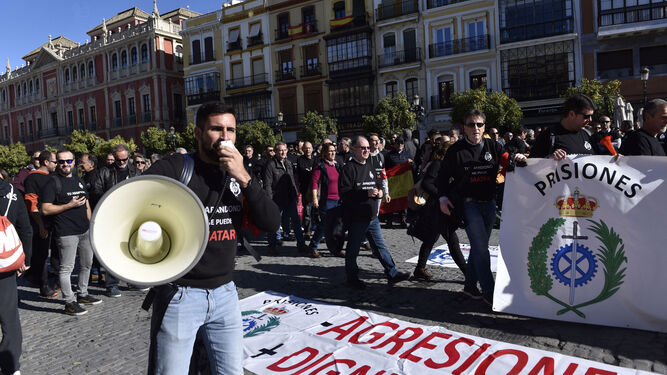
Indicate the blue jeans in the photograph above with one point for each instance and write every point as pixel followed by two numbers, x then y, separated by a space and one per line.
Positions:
pixel 355 236
pixel 324 223
pixel 288 214
pixel 218 313
pixel 480 217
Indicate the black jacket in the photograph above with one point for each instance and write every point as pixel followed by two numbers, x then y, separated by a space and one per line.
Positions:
pixel 18 216
pixel 108 177
pixel 279 182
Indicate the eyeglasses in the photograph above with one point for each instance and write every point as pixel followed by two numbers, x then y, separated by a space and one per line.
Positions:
pixel 139 162
pixel 68 161
pixel 364 147
pixel 473 124
pixel 605 122
pixel 123 160
pixel 585 116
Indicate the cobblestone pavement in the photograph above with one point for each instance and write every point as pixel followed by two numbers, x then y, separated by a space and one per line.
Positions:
pixel 113 337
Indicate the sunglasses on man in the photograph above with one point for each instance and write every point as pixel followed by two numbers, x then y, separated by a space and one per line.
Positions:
pixel 63 161
pixel 475 124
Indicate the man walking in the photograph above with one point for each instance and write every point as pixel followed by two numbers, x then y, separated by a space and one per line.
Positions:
pixel 644 141
pixel 66 199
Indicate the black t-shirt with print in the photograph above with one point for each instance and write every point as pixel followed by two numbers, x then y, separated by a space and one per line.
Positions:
pixel 571 142
pixel 75 220
pixel 641 143
pixel 353 184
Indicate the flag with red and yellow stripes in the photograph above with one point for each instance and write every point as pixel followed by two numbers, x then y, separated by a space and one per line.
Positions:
pixel 400 182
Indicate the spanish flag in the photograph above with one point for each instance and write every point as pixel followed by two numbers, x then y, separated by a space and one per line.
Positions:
pixel 295 30
pixel 340 22
pixel 400 182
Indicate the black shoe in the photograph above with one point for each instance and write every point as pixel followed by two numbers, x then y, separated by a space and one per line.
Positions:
pixel 73 308
pixel 472 292
pixel 400 276
pixel 356 284
pixel 487 297
pixel 88 300
pixel 112 292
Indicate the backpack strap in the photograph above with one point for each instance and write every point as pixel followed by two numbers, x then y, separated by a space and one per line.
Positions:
pixel 188 168
pixel 11 195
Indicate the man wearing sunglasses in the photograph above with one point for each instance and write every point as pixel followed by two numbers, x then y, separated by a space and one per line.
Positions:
pixel 119 171
pixel 66 200
pixel 569 136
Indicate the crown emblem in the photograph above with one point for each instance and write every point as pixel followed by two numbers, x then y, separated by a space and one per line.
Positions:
pixel 576 205
pixel 275 311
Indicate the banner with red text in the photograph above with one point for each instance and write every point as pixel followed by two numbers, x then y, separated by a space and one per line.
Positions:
pixel 582 240
pixel 289 335
pixel 400 182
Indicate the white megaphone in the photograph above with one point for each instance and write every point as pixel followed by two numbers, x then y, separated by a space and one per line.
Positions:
pixel 149 230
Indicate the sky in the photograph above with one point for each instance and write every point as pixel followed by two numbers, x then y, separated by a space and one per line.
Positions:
pixel 27 24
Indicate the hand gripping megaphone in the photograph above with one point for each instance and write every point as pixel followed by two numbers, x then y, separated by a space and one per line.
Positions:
pixel 149 230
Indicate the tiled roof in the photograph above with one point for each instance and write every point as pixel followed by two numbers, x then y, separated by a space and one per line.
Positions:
pixel 57 40
pixel 187 13
pixel 131 13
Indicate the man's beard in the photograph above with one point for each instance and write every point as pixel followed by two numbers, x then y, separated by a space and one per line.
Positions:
pixel 212 154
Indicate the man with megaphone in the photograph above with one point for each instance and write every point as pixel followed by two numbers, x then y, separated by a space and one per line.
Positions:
pixel 206 296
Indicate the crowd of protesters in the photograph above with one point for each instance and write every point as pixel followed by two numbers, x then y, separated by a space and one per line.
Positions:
pixel 328 192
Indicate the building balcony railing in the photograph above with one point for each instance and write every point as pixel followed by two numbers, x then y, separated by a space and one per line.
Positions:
pixel 234 46
pixel 311 70
pixel 308 28
pixel 69 128
pixel 132 119
pixel 203 97
pixel 399 57
pixel 440 102
pixel 146 116
pixel 92 125
pixel 360 64
pixel 441 3
pixel 289 32
pixel 81 126
pixel 632 14
pixel 397 9
pixel 458 46
pixel 282 33
pixel 351 113
pixel 615 73
pixel 117 122
pixel 199 58
pixel 536 30
pixel 285 74
pixel 237 83
pixel 546 90
pixel 344 23
pixel 48 133
pixel 255 40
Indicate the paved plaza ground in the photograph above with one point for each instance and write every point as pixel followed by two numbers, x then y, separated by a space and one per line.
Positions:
pixel 113 337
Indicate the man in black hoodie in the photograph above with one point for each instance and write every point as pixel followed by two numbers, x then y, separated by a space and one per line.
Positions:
pixel 206 298
pixel 17 215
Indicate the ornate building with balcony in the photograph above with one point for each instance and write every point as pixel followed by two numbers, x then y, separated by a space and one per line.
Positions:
pixel 126 79
pixel 539 54
pixel 203 70
pixel 350 60
pixel 460 53
pixel 247 60
pixel 399 55
pixel 297 54
pixel 622 37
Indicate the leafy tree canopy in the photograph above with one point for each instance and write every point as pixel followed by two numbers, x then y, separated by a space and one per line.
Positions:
pixel 501 111
pixel 13 157
pixel 82 142
pixel 103 148
pixel 603 94
pixel 316 127
pixel 391 116
pixel 155 140
pixel 255 133
pixel 186 138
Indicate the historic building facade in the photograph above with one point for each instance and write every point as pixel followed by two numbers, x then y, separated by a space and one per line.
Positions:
pixel 126 79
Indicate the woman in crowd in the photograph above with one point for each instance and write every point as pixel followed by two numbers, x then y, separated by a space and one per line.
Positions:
pixel 431 222
pixel 140 162
pixel 327 201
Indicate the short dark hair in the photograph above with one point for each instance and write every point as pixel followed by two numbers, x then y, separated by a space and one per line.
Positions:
pixel 373 134
pixel 119 147
pixel 212 108
pixel 63 149
pixel 44 156
pixel 474 112
pixel 577 103
pixel 652 106
pixel 279 143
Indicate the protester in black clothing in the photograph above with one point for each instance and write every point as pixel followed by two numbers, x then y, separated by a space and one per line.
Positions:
pixel 518 145
pixel 89 174
pixel 304 173
pixel 344 153
pixel 218 170
pixel 424 153
pixel 12 207
pixel 432 223
pixel 568 137
pixel 23 173
pixel 467 184
pixel 251 162
pixel 603 131
pixel 644 141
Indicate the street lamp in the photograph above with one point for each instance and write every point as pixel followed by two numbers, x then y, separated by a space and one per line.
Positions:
pixel 279 125
pixel 418 110
pixel 644 78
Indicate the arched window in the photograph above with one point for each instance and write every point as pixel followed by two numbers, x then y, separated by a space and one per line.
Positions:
pixel 67 75
pixel 144 53
pixel 133 56
pixel 74 73
pixel 82 69
pixel 123 59
pixel 114 62
pixel 90 69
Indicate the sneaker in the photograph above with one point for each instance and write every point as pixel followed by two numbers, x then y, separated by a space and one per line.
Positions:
pixel 139 288
pixel 472 292
pixel 48 293
pixel 400 276
pixel 423 274
pixel 487 297
pixel 315 254
pixel 88 300
pixel 56 287
pixel 112 292
pixel 356 284
pixel 73 308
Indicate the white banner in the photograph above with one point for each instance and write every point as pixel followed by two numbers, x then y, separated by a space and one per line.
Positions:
pixel 440 256
pixel 583 240
pixel 289 335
